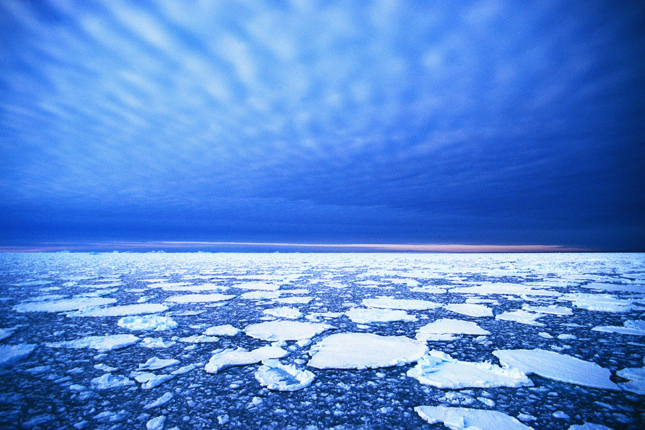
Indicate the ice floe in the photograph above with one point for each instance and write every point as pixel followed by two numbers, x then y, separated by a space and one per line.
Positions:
pixel 160 401
pixel 149 380
pixel 469 419
pixel 636 328
pixel 505 289
pixel 364 350
pixel 200 298
pixel 147 322
pixel 6 333
pixel 559 367
pixel 442 371
pixel 199 338
pixel 285 330
pixel 10 354
pixel 405 304
pixel 156 423
pixel 445 328
pixel 261 295
pixel 470 309
pixel 284 312
pixel 598 302
pixel 551 310
pixel 100 343
pixel 108 381
pixel 154 342
pixel 283 377
pixel 222 330
pixel 156 363
pixel 223 359
pixel 521 316
pixel 257 286
pixel 365 316
pixel 636 377
pixel 64 305
pixel 119 311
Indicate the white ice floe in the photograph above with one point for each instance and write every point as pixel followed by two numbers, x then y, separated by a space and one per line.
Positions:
pixel 364 350
pixel 10 354
pixel 261 295
pixel 505 289
pixel 551 310
pixel 285 330
pixel 119 311
pixel 636 328
pixel 6 333
pixel 149 380
pixel 147 322
pixel 109 380
pixel 222 330
pixel 467 418
pixel 521 316
pixel 365 316
pixel 64 305
pixel 156 363
pixel 194 288
pixel 156 423
pixel 471 310
pixel 559 367
pixel 200 298
pixel 160 401
pixel 284 312
pixel 295 300
pixel 257 286
pixel 240 357
pixel 589 426
pixel 429 289
pixel 282 377
pixel 156 342
pixel 199 339
pixel 442 371
pixel 438 329
pixel 636 377
pixel 100 343
pixel 405 304
pixel 598 302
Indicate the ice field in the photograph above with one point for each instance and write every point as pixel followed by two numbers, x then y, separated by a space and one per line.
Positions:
pixel 322 341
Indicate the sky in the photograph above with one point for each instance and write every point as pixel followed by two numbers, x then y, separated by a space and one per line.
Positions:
pixel 323 122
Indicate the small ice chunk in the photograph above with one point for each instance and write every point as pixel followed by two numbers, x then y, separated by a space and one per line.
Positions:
pixel 104 367
pixel 222 330
pixel 284 312
pixel 471 310
pixel 240 357
pixel 63 305
pixel 365 316
pixel 545 335
pixel 156 423
pixel 447 326
pixel 147 322
pixel 155 363
pixel 109 380
pixel 561 415
pixel 119 311
pixel 467 418
pixel 156 342
pixel 442 371
pixel 5 333
pixel 405 304
pixel 160 401
pixel 280 377
pixel 200 298
pixel 10 354
pixel 100 343
pixel 635 328
pixel 364 350
pixel 566 336
pixel 521 316
pixel 559 367
pixel 285 330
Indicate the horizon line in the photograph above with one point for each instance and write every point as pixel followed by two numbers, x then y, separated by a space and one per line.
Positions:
pixel 187 246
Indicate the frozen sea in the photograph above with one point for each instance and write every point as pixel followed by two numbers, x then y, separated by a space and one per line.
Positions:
pixel 322 341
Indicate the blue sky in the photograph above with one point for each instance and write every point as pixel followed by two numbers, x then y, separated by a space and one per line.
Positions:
pixel 452 122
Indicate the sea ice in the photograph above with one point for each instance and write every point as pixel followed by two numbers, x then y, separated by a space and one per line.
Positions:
pixel 160 401
pixel 636 328
pixel 100 343
pixel 598 302
pixel 470 310
pixel 447 326
pixel 365 316
pixel 64 305
pixel 239 357
pixel 552 309
pixel 295 300
pixel 589 426
pixel 147 322
pixel 222 330
pixel 280 377
pixel 284 312
pixel 10 354
pixel 285 330
pixel 199 298
pixel 405 304
pixel 109 380
pixel 521 316
pixel 442 371
pixel 156 342
pixel 467 418
pixel 257 286
pixel 199 339
pixel 155 363
pixel 364 350
pixel 149 380
pixel 119 311
pixel 261 295
pixel 636 377
pixel 5 333
pixel 504 288
pixel 559 367
pixel 156 423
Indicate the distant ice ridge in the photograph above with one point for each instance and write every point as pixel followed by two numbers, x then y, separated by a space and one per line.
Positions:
pixel 558 367
pixel 100 343
pixel 147 322
pixel 365 316
pixel 10 354
pixel 442 371
pixel 63 305
pixel 223 359
pixel 469 419
pixel 404 304
pixel 445 328
pixel 636 328
pixel 281 377
pixel 285 330
pixel 118 311
pixel 364 350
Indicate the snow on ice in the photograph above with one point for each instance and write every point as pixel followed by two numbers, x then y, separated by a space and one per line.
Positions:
pixel 280 377
pixel 239 357
pixel 147 322
pixel 285 330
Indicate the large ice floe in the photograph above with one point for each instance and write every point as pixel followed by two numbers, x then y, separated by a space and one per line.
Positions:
pixel 285 330
pixel 469 419
pixel 64 305
pixel 446 329
pixel 147 322
pixel 365 316
pixel 223 359
pixel 284 312
pixel 118 311
pixel 635 328
pixel 100 343
pixel 598 302
pixel 283 377
pixel 442 371
pixel 364 350
pixel 10 354
pixel 521 316
pixel 405 304
pixel 200 298
pixel 559 367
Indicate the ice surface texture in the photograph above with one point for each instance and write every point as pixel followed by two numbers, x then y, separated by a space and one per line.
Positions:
pixel 465 418
pixel 10 354
pixel 279 377
pixel 285 330
pixel 100 343
pixel 240 356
